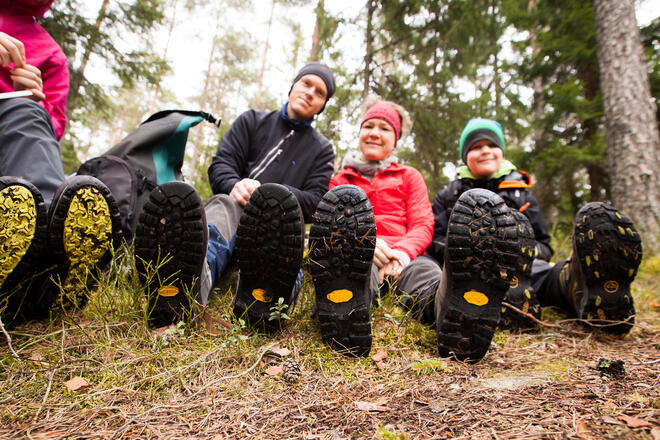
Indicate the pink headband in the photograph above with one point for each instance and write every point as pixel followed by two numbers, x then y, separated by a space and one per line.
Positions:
pixel 387 113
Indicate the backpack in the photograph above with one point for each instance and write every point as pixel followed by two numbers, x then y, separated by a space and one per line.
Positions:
pixel 150 155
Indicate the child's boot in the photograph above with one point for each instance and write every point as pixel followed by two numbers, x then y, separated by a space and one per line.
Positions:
pixel 269 248
pixel 607 251
pixel 521 294
pixel 481 258
pixel 170 252
pixel 342 239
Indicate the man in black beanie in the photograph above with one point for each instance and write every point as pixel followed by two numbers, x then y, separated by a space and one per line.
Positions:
pixel 268 174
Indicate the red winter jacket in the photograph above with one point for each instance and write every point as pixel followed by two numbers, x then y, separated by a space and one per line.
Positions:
pixel 41 51
pixel 398 194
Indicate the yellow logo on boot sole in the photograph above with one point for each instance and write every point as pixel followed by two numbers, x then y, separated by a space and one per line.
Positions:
pixel 475 298
pixel 168 291
pixel 261 295
pixel 340 296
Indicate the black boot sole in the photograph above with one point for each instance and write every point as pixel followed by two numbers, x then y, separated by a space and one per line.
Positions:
pixel 520 293
pixel 170 249
pixel 84 231
pixel 23 232
pixel 481 259
pixel 342 239
pixel 609 250
pixel 269 249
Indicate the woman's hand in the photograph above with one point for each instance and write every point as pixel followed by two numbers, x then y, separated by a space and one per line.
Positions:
pixel 382 254
pixel 28 77
pixel 11 51
pixel 391 270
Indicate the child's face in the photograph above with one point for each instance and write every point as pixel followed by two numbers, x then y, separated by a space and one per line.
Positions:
pixel 377 139
pixel 484 159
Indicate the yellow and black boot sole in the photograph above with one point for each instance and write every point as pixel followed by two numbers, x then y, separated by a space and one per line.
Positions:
pixel 84 230
pixel 609 251
pixel 23 227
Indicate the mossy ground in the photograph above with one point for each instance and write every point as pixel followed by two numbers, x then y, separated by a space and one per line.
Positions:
pixel 186 382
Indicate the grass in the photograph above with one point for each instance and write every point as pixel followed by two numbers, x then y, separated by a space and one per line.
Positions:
pixel 188 382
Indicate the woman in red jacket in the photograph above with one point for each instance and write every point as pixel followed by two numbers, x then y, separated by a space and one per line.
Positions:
pixel 404 228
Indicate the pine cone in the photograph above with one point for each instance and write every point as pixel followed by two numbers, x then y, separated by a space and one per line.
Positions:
pixel 291 370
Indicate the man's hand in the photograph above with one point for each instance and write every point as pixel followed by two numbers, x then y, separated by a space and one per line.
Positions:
pixel 11 51
pixel 382 253
pixel 28 77
pixel 243 189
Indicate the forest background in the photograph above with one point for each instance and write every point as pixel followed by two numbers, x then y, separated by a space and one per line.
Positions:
pixel 531 65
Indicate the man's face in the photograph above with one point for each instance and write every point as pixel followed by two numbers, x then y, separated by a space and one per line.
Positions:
pixel 307 98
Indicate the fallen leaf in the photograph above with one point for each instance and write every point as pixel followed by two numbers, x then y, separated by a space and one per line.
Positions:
pixel 47 435
pixel 377 406
pixel 610 404
pixel 611 420
pixel 378 358
pixel 655 304
pixel 160 331
pixel 582 427
pixel 76 384
pixel 209 320
pixel 634 422
pixel 281 352
pixel 655 433
pixel 274 371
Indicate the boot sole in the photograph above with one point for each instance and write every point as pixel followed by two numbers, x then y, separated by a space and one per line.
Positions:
pixel 482 257
pixel 520 293
pixel 609 249
pixel 170 248
pixel 23 233
pixel 342 239
pixel 269 249
pixel 83 232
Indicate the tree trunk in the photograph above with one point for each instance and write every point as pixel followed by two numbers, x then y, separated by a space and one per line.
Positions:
pixel 368 56
pixel 265 55
pixel 315 53
pixel 633 141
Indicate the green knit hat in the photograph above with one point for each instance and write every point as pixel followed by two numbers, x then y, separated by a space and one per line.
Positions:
pixel 478 129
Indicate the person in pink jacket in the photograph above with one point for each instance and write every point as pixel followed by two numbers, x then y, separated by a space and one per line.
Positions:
pixel 373 188
pixel 32 60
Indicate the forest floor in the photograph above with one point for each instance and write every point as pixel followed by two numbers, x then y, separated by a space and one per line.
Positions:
pixel 101 373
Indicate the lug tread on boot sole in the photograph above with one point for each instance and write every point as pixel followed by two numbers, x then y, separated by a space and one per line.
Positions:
pixel 342 241
pixel 609 249
pixel 482 248
pixel 520 293
pixel 170 248
pixel 22 235
pixel 269 249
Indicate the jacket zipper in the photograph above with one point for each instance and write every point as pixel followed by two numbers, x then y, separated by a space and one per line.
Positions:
pixel 270 157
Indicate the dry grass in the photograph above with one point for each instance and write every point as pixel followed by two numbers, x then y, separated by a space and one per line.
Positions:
pixel 192 383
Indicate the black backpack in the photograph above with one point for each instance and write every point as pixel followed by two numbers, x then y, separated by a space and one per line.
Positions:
pixel 150 155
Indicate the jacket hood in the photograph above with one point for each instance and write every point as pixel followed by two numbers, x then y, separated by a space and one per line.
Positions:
pixel 31 7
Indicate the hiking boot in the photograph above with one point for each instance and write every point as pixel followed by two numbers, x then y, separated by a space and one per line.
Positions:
pixel 342 239
pixel 521 295
pixel 607 251
pixel 481 258
pixel 83 231
pixel 170 251
pixel 23 231
pixel 269 249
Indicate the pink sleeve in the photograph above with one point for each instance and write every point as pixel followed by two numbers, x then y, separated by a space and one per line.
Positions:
pixel 55 76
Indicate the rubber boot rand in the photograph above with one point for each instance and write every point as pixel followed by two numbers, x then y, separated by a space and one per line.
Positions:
pixel 481 259
pixel 170 251
pixel 84 230
pixel 23 231
pixel 607 251
pixel 342 240
pixel 269 249
pixel 520 294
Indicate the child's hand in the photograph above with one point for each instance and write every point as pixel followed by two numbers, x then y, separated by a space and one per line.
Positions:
pixel 28 77
pixel 11 51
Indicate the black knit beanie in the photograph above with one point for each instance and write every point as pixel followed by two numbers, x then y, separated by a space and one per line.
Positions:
pixel 323 72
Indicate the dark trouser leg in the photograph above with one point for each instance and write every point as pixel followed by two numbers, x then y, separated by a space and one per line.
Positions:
pixel 28 147
pixel 546 283
pixel 416 287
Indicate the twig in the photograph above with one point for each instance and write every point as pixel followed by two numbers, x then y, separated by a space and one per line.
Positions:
pixel 646 363
pixel 11 347
pixel 538 321
pixel 196 393
pixel 43 402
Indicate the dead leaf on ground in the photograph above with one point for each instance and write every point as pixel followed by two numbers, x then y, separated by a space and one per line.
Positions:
pixel 209 320
pixel 655 304
pixel 48 434
pixel 377 406
pixel 76 384
pixel 160 331
pixel 655 433
pixel 634 422
pixel 274 370
pixel 611 420
pixel 378 358
pixel 278 351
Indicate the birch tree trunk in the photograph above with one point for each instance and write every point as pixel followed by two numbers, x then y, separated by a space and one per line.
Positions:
pixel 633 141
